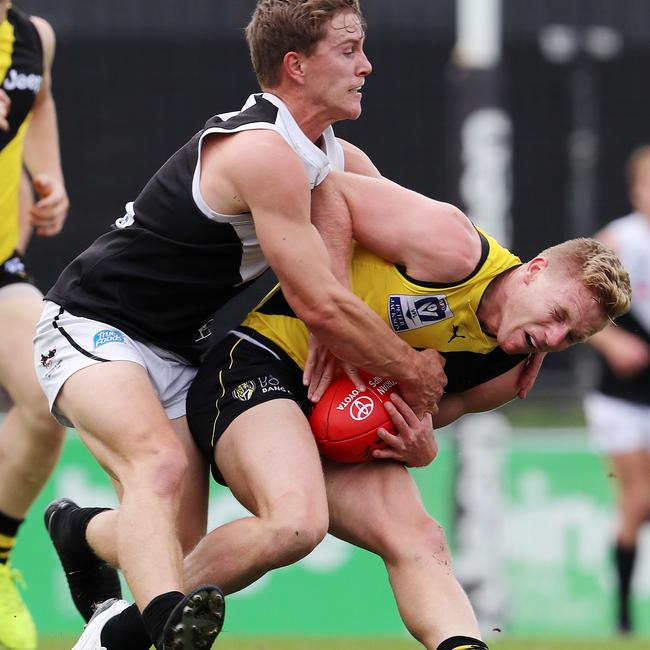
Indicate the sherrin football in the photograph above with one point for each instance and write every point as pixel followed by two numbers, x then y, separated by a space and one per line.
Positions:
pixel 345 420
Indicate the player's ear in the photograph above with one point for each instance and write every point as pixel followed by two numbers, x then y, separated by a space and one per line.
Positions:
pixel 533 267
pixel 292 65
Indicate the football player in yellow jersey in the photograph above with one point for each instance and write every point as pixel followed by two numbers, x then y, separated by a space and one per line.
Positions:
pixel 247 405
pixel 30 439
pixel 439 282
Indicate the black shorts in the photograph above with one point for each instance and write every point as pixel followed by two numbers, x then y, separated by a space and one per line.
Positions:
pixel 13 270
pixel 237 374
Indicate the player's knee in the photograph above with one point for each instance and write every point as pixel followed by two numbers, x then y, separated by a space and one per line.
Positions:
pixel 432 535
pixel 169 471
pixel 414 540
pixel 296 537
pixel 39 424
pixel 638 510
pixel 160 470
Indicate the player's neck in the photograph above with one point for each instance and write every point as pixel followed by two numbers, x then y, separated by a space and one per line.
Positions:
pixel 490 309
pixel 311 118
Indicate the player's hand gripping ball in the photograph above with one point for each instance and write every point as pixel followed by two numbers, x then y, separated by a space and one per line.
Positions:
pixel 345 420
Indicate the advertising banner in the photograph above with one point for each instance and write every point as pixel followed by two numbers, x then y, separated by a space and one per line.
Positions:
pixel 557 526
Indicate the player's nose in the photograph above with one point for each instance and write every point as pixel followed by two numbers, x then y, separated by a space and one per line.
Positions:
pixel 556 337
pixel 365 67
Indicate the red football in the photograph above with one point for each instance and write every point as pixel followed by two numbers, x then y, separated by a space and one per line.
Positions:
pixel 345 421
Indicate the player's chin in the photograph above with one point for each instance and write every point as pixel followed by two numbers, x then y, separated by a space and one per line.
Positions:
pixel 512 347
pixel 353 109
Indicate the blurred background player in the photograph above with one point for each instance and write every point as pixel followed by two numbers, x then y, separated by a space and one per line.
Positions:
pixel 30 439
pixel 618 411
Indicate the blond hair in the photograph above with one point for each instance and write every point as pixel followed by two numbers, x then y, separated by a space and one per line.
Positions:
pixel 599 269
pixel 280 26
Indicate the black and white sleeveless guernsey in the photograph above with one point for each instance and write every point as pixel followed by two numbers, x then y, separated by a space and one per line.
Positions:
pixel 171 261
pixel 632 235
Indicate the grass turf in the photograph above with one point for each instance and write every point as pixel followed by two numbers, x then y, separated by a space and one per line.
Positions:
pixel 284 643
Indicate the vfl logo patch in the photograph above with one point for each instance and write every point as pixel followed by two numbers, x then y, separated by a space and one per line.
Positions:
pixel 412 312
pixel 107 336
pixel 244 391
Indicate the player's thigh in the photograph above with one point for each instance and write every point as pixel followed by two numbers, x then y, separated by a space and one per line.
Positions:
pixel 118 415
pixel 20 309
pixel 631 471
pixel 193 513
pixel 372 503
pixel 268 454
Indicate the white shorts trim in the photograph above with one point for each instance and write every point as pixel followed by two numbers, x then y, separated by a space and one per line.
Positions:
pixel 617 426
pixel 65 344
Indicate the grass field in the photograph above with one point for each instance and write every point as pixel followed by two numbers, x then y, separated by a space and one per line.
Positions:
pixel 391 644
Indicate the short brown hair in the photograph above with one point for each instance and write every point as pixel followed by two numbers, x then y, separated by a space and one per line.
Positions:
pixel 600 270
pixel 281 26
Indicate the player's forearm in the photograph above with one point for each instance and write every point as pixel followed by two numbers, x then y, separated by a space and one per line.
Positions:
pixel 485 397
pixel 25 201
pixel 358 336
pixel 331 217
pixel 41 150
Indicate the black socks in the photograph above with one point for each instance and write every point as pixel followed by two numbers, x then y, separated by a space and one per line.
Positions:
pixel 462 643
pixel 624 557
pixel 130 630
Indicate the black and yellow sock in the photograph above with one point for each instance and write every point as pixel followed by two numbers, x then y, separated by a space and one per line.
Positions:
pixel 462 643
pixel 8 532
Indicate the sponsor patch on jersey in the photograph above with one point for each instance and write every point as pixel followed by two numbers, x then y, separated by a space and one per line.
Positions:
pixel 107 336
pixel 244 391
pixel 412 312
pixel 15 80
pixel 15 266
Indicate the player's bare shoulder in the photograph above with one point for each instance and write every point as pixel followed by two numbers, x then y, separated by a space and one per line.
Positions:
pixel 48 40
pixel 234 166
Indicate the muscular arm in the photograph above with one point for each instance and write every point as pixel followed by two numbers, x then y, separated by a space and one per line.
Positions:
pixel 41 148
pixel 434 241
pixel 335 226
pixel 265 175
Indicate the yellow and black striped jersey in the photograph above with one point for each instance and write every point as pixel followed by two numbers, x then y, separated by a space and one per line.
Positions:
pixel 21 75
pixel 440 316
